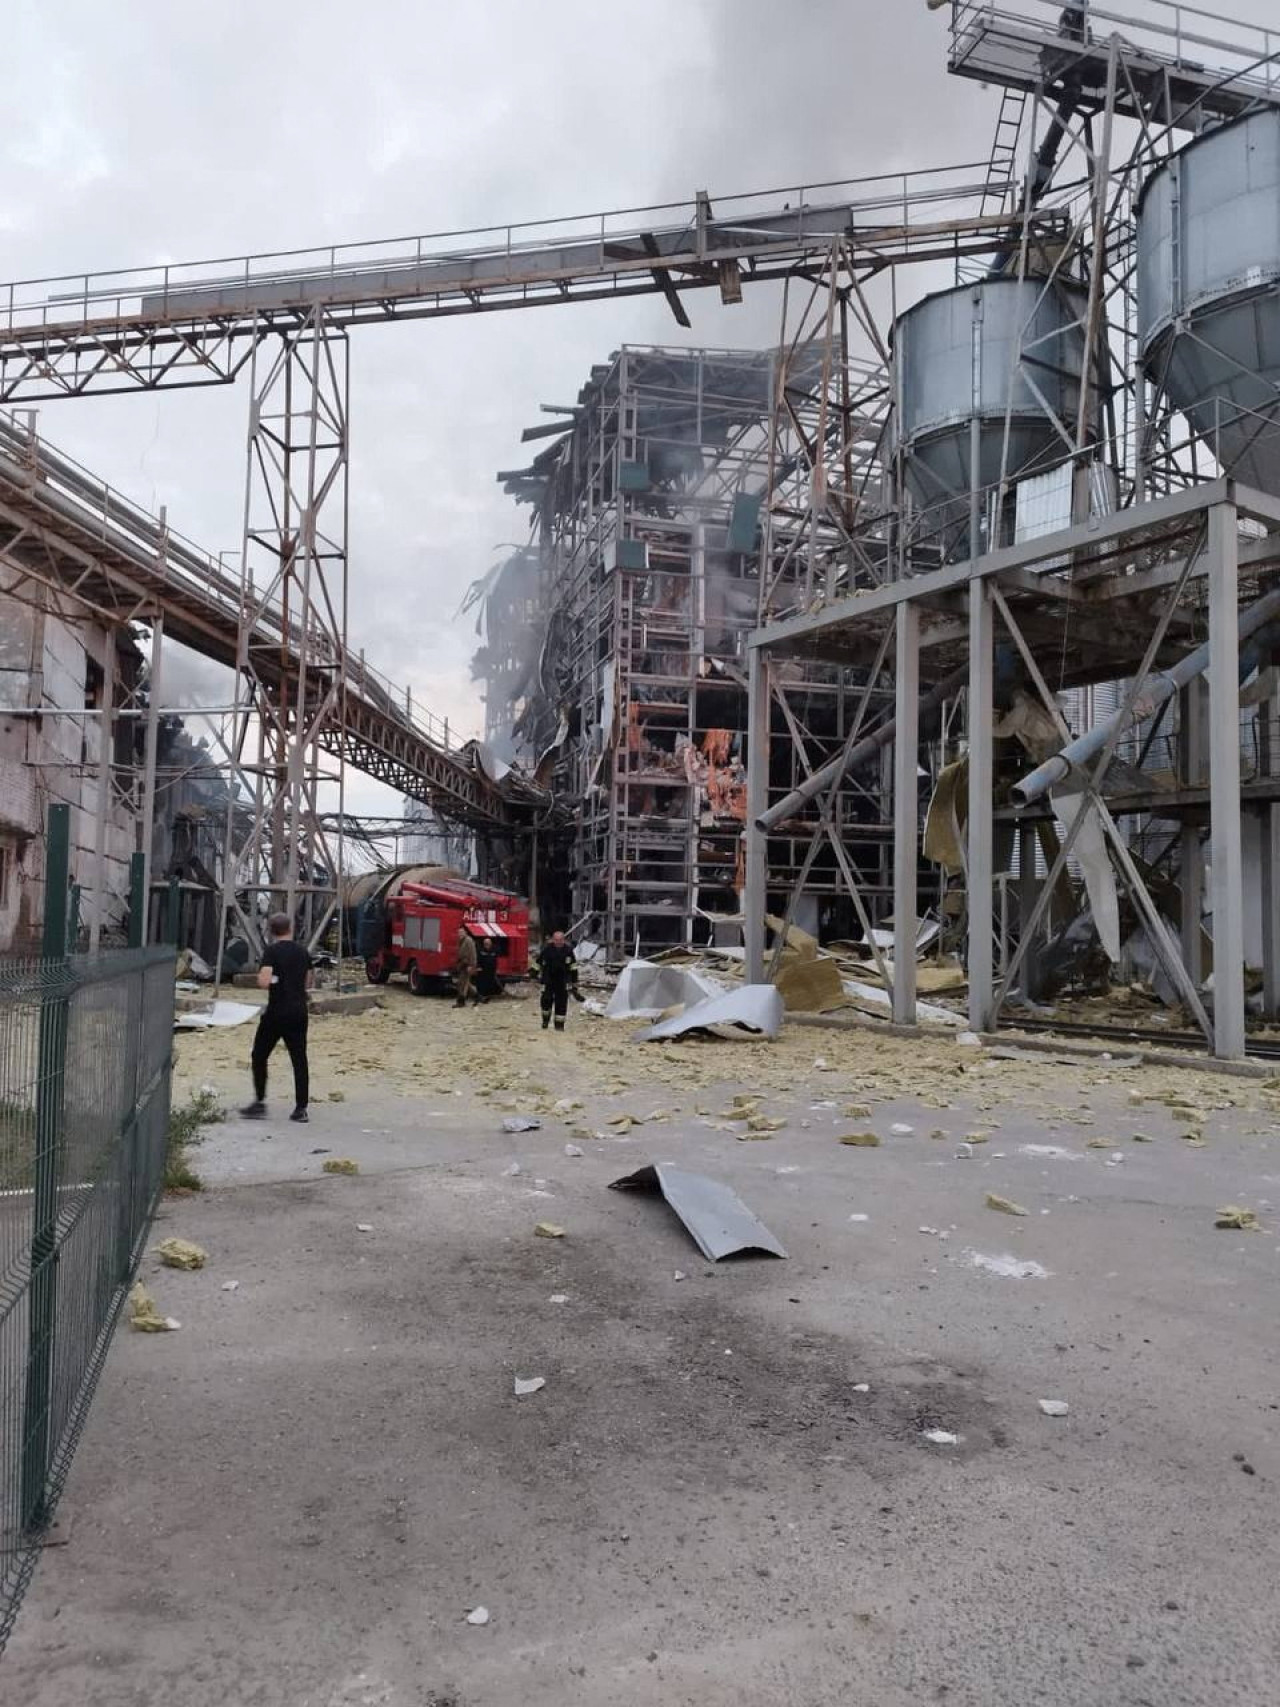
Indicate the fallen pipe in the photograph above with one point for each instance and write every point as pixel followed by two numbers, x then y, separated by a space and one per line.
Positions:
pixel 1160 686
pixel 881 736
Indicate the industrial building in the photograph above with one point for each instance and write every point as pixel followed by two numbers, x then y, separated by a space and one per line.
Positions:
pixel 1007 480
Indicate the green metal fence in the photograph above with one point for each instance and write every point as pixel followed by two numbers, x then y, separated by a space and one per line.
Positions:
pixel 86 1049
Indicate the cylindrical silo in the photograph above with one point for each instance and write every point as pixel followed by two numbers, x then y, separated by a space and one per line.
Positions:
pixel 1209 291
pixel 966 361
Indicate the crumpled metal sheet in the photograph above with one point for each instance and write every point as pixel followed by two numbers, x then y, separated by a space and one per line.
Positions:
pixel 219 1014
pixel 754 1007
pixel 646 990
pixel 718 1220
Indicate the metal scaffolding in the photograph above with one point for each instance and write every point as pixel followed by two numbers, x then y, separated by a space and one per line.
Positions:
pixel 1083 532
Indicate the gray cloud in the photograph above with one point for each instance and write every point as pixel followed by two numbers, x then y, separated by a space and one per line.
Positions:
pixel 179 132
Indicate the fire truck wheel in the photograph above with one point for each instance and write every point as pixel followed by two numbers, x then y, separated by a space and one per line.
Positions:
pixel 417 980
pixel 376 970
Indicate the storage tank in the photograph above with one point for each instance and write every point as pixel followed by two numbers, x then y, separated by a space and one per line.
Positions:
pixel 1209 291
pixel 966 355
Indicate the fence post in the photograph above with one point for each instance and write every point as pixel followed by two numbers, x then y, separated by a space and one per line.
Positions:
pixel 172 909
pixel 137 900
pixel 51 1069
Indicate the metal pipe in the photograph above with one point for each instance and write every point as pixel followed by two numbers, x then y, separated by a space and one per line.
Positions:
pixel 879 737
pixel 1155 691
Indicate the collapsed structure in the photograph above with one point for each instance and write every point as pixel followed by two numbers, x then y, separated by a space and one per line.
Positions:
pixel 615 646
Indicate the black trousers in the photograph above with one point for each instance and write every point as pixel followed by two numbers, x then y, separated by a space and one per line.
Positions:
pixel 556 995
pixel 291 1029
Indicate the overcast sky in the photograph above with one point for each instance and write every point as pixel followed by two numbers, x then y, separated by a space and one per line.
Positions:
pixel 143 131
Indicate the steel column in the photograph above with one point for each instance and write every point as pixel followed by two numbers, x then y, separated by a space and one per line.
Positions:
pixel 1269 880
pixel 754 904
pixel 152 740
pixel 1191 728
pixel 1224 784
pixel 980 875
pixel 106 733
pixel 906 813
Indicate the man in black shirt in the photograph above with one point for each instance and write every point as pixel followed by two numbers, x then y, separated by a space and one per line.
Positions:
pixel 285 974
pixel 559 971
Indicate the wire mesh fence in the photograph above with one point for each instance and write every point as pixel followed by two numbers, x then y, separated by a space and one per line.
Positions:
pixel 85 1058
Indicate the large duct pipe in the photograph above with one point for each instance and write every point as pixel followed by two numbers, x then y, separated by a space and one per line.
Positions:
pixel 1157 688
pixel 879 737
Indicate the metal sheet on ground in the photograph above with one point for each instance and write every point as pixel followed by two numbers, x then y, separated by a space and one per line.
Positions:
pixel 718 1220
pixel 755 1007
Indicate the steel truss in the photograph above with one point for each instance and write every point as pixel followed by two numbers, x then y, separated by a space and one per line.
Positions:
pixel 1145 553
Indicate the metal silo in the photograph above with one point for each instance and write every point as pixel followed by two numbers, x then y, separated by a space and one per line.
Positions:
pixel 965 360
pixel 1209 291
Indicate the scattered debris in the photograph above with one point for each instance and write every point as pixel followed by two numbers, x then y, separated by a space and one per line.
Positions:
pixel 1142 1138
pixel 679 1275
pixel 521 1123
pixel 1238 1220
pixel 530 1384
pixel 511 1170
pixel 231 1286
pixel 179 1253
pixel 1100 1144
pixel 337 1096
pixel 763 1125
pixel 968 1040
pixel 977 1137
pixel 340 1165
pixel 716 1217
pixel 1007 1267
pixel 548 1230
pixel 900 1129
pixel 218 1014
pixel 753 1008
pixel 856 1111
pixel 478 1615
pixel 861 1140
pixel 862 1386
pixel 565 1105
pixel 860 1216
pixel 144 1316
pixel 1003 1205
pixel 573 1149
pixel 558 1298
pixel 941 1437
pixel 364 1226
pixel 1054 1407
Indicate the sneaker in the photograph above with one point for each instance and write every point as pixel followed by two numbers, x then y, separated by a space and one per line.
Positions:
pixel 300 1114
pixel 254 1111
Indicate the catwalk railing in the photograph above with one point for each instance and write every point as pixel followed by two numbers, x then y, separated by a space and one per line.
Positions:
pixel 85 1057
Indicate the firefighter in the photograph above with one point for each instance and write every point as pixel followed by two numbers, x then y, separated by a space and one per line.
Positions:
pixel 558 971
pixel 487 984
pixel 464 969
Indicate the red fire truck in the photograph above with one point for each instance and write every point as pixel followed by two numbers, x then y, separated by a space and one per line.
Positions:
pixel 421 924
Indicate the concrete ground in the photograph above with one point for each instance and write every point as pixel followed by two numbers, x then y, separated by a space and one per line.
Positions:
pixel 725 1493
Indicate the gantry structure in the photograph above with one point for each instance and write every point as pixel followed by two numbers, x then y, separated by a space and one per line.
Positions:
pixel 1081 446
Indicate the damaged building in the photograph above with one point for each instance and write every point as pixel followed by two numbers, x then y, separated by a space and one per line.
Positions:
pixel 613 654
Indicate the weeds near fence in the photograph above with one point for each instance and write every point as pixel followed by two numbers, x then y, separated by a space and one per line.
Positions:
pixel 186 1130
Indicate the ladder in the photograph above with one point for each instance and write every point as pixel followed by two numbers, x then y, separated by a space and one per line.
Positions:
pixel 999 193
pixel 1000 189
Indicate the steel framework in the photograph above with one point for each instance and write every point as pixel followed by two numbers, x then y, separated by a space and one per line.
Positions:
pixel 1145 549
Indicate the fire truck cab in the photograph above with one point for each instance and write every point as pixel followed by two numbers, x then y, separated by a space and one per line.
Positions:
pixel 421 925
